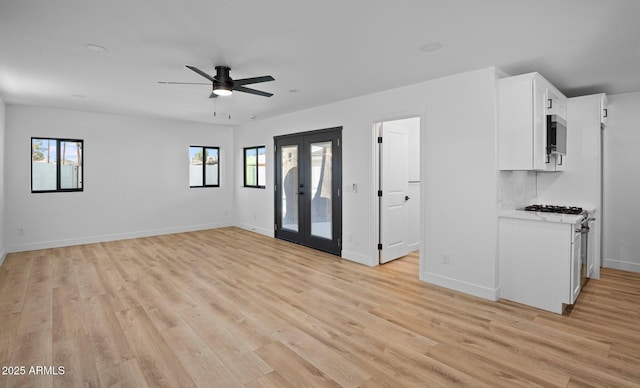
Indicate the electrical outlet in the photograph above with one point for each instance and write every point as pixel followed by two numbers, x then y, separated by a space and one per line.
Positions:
pixel 446 258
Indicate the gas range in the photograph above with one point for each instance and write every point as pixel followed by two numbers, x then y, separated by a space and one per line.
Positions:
pixel 555 209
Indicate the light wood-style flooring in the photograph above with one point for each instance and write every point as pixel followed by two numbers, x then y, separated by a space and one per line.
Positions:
pixel 227 308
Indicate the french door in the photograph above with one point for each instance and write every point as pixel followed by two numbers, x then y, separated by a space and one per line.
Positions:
pixel 308 201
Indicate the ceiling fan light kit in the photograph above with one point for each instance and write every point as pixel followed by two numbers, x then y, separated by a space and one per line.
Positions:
pixel 222 90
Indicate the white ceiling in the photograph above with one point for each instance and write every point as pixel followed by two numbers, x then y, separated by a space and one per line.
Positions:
pixel 325 50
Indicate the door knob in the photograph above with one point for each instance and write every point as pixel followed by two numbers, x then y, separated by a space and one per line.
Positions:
pixel 406 198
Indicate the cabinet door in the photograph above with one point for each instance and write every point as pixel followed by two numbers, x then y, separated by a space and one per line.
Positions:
pixel 561 108
pixel 540 125
pixel 591 245
pixel 556 162
pixel 556 105
pixel 560 162
pixel 604 111
pixel 550 163
pixel 576 264
pixel 515 123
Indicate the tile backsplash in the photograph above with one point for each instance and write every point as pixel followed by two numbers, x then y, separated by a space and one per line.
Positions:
pixel 516 189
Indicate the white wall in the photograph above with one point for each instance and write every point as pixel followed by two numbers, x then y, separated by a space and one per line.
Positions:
pixel 458 173
pixel 136 179
pixel 621 142
pixel 459 182
pixel 3 247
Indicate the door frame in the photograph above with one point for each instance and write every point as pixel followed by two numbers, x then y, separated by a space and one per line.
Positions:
pixel 303 236
pixel 375 174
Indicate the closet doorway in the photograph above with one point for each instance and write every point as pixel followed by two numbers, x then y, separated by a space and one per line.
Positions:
pixel 308 201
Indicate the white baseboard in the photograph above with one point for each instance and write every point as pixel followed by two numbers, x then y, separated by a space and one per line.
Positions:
pixel 253 228
pixel 458 285
pixel 413 247
pixel 621 265
pixel 113 237
pixel 358 258
pixel 3 255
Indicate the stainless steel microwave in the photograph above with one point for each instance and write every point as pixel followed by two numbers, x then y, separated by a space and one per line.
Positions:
pixel 556 135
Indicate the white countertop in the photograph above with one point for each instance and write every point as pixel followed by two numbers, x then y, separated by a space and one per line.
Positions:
pixel 542 216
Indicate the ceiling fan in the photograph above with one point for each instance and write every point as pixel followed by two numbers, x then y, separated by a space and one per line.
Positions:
pixel 224 85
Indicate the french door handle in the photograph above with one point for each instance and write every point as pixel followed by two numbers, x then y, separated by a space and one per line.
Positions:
pixel 300 192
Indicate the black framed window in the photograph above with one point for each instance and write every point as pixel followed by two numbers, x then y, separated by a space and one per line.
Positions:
pixel 204 166
pixel 56 165
pixel 255 172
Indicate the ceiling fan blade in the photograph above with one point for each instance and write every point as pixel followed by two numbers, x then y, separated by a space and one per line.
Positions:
pixel 183 83
pixel 252 80
pixel 252 91
pixel 202 73
pixel 213 95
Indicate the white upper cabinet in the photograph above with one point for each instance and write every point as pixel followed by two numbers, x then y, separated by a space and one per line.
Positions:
pixel 524 103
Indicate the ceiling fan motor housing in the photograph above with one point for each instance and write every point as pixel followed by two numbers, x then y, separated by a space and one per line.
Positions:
pixel 222 78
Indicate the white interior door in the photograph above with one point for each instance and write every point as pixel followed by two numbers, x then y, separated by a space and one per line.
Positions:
pixel 394 184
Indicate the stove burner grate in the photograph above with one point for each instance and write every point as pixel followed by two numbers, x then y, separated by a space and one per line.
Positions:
pixel 554 209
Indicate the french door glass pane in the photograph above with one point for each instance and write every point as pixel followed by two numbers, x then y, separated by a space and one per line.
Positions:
pixel 321 223
pixel 290 187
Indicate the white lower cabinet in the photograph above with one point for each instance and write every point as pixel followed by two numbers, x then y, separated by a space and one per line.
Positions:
pixel 539 260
